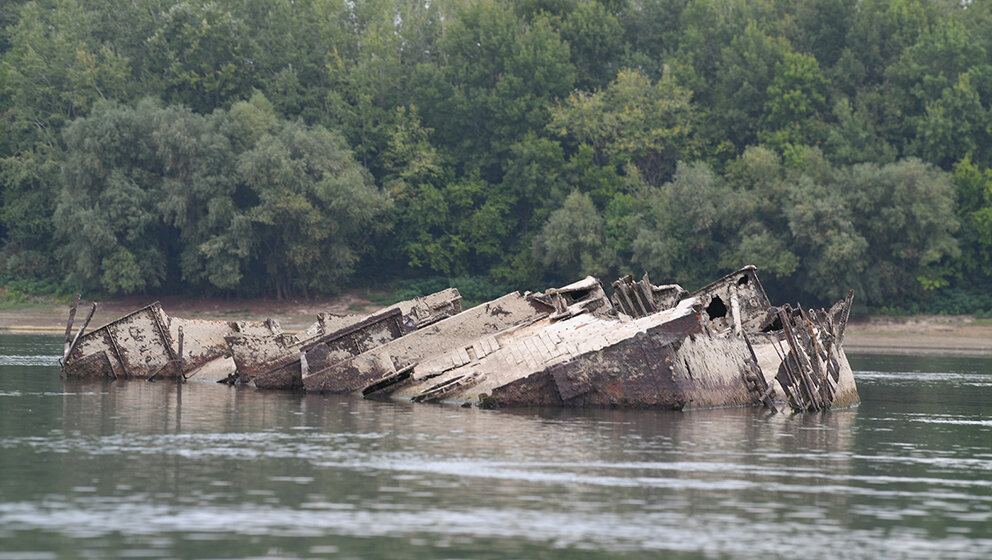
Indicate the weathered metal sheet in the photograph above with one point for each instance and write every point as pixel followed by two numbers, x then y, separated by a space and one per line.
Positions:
pixel 384 362
pixel 283 369
pixel 144 344
pixel 274 362
pixel 137 345
pixel 652 346
pixel 204 340
pixel 661 360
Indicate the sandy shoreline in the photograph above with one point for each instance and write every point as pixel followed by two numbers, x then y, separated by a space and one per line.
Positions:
pixel 933 335
pixel 292 315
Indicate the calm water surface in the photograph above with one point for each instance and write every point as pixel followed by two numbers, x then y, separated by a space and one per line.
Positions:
pixel 156 470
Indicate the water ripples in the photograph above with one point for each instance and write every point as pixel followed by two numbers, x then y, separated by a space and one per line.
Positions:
pixel 39 361
pixel 151 469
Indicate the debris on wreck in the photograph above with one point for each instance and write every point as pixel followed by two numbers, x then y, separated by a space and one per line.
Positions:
pixel 273 362
pixel 648 345
pixel 148 344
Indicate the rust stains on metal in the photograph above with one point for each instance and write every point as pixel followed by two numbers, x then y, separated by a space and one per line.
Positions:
pixel 274 362
pixel 357 372
pixel 646 346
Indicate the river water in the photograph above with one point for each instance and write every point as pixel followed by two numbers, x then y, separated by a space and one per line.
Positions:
pixel 157 470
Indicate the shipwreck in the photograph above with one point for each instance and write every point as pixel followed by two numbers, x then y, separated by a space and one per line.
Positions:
pixel 646 345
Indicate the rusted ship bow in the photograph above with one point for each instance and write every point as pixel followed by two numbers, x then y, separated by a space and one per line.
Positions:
pixel 646 346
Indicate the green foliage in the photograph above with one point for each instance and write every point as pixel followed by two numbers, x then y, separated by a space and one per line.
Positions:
pixel 594 37
pixel 676 237
pixel 314 203
pixel 204 52
pixel 973 190
pixel 110 237
pixel 743 85
pixel 797 96
pixel 632 121
pixel 494 82
pixel 235 200
pixel 571 243
pixel 955 301
pixel 280 146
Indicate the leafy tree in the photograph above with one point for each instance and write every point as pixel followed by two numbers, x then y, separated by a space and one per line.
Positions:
pixel 8 16
pixel 763 187
pixel 824 26
pixel 371 68
pixel 495 79
pixel 954 125
pixel 632 120
pixel 883 29
pixel 158 196
pixel 905 211
pixel 537 177
pixel 749 66
pixel 112 240
pixel 973 193
pixel 415 180
pixel 936 86
pixel 314 205
pixel 53 71
pixel 204 54
pixel 594 37
pixel 652 33
pixel 854 137
pixel 570 244
pixel 797 97
pixel 677 235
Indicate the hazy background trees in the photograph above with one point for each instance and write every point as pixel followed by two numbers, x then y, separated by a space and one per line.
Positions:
pixel 298 147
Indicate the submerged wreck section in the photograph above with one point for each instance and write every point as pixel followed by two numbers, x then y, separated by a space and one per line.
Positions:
pixel 655 346
pixel 697 352
pixel 274 362
pixel 659 360
pixel 148 344
pixel 330 371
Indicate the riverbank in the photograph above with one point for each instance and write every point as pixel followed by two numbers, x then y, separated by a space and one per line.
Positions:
pixel 292 315
pixel 959 335
pixel 936 335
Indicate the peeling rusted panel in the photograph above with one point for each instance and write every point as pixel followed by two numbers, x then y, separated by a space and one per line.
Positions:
pixel 653 346
pixel 282 370
pixel 143 344
pixel 382 362
pixel 136 345
pixel 92 366
pixel 274 362
pixel 637 299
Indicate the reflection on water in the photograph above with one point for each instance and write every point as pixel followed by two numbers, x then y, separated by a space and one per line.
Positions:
pixel 130 469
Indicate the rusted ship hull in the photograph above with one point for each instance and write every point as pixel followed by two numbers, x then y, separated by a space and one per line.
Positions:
pixel 275 362
pixel 330 372
pixel 664 360
pixel 654 346
pixel 647 346
pixel 148 344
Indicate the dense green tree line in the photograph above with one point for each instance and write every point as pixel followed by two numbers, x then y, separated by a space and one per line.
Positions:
pixel 296 147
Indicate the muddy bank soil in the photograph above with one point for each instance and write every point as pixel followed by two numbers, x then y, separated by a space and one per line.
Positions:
pixel 293 315
pixel 958 335
pixel 925 334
